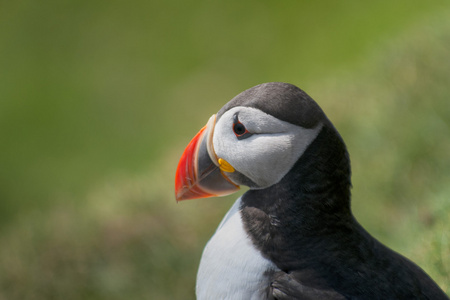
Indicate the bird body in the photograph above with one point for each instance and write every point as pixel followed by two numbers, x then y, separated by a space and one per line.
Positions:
pixel 292 235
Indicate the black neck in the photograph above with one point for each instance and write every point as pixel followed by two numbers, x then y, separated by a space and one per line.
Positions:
pixel 304 225
pixel 309 206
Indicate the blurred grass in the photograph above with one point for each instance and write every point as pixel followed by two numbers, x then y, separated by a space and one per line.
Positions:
pixel 90 88
pixel 98 99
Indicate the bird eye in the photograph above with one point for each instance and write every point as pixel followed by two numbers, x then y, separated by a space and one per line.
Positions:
pixel 239 129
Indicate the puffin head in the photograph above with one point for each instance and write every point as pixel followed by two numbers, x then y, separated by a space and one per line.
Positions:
pixel 254 140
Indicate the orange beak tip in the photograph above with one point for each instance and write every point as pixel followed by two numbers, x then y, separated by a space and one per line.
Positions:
pixel 197 176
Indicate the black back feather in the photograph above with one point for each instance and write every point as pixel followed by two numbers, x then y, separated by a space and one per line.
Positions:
pixel 304 223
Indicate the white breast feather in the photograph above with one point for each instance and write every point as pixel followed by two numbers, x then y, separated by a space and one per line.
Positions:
pixel 231 267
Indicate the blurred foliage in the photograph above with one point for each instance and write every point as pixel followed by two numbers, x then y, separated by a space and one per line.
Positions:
pixel 98 99
pixel 92 88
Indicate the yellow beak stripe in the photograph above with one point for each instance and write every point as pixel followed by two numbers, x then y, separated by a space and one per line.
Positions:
pixel 225 166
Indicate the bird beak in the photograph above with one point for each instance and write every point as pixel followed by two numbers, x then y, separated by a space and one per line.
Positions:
pixel 198 174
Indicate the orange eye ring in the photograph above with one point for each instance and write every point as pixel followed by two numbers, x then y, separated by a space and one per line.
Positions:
pixel 239 129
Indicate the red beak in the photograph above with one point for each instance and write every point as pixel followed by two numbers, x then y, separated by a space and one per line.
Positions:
pixel 197 175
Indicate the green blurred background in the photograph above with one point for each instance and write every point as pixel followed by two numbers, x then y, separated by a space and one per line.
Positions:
pixel 99 98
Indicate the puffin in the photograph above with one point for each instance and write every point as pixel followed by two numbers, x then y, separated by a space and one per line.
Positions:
pixel 292 234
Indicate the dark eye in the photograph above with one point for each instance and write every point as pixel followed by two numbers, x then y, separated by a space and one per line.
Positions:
pixel 239 129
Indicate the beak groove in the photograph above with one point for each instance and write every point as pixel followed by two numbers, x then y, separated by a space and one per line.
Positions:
pixel 198 174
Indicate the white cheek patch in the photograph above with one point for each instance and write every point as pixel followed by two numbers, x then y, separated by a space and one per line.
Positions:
pixel 267 155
